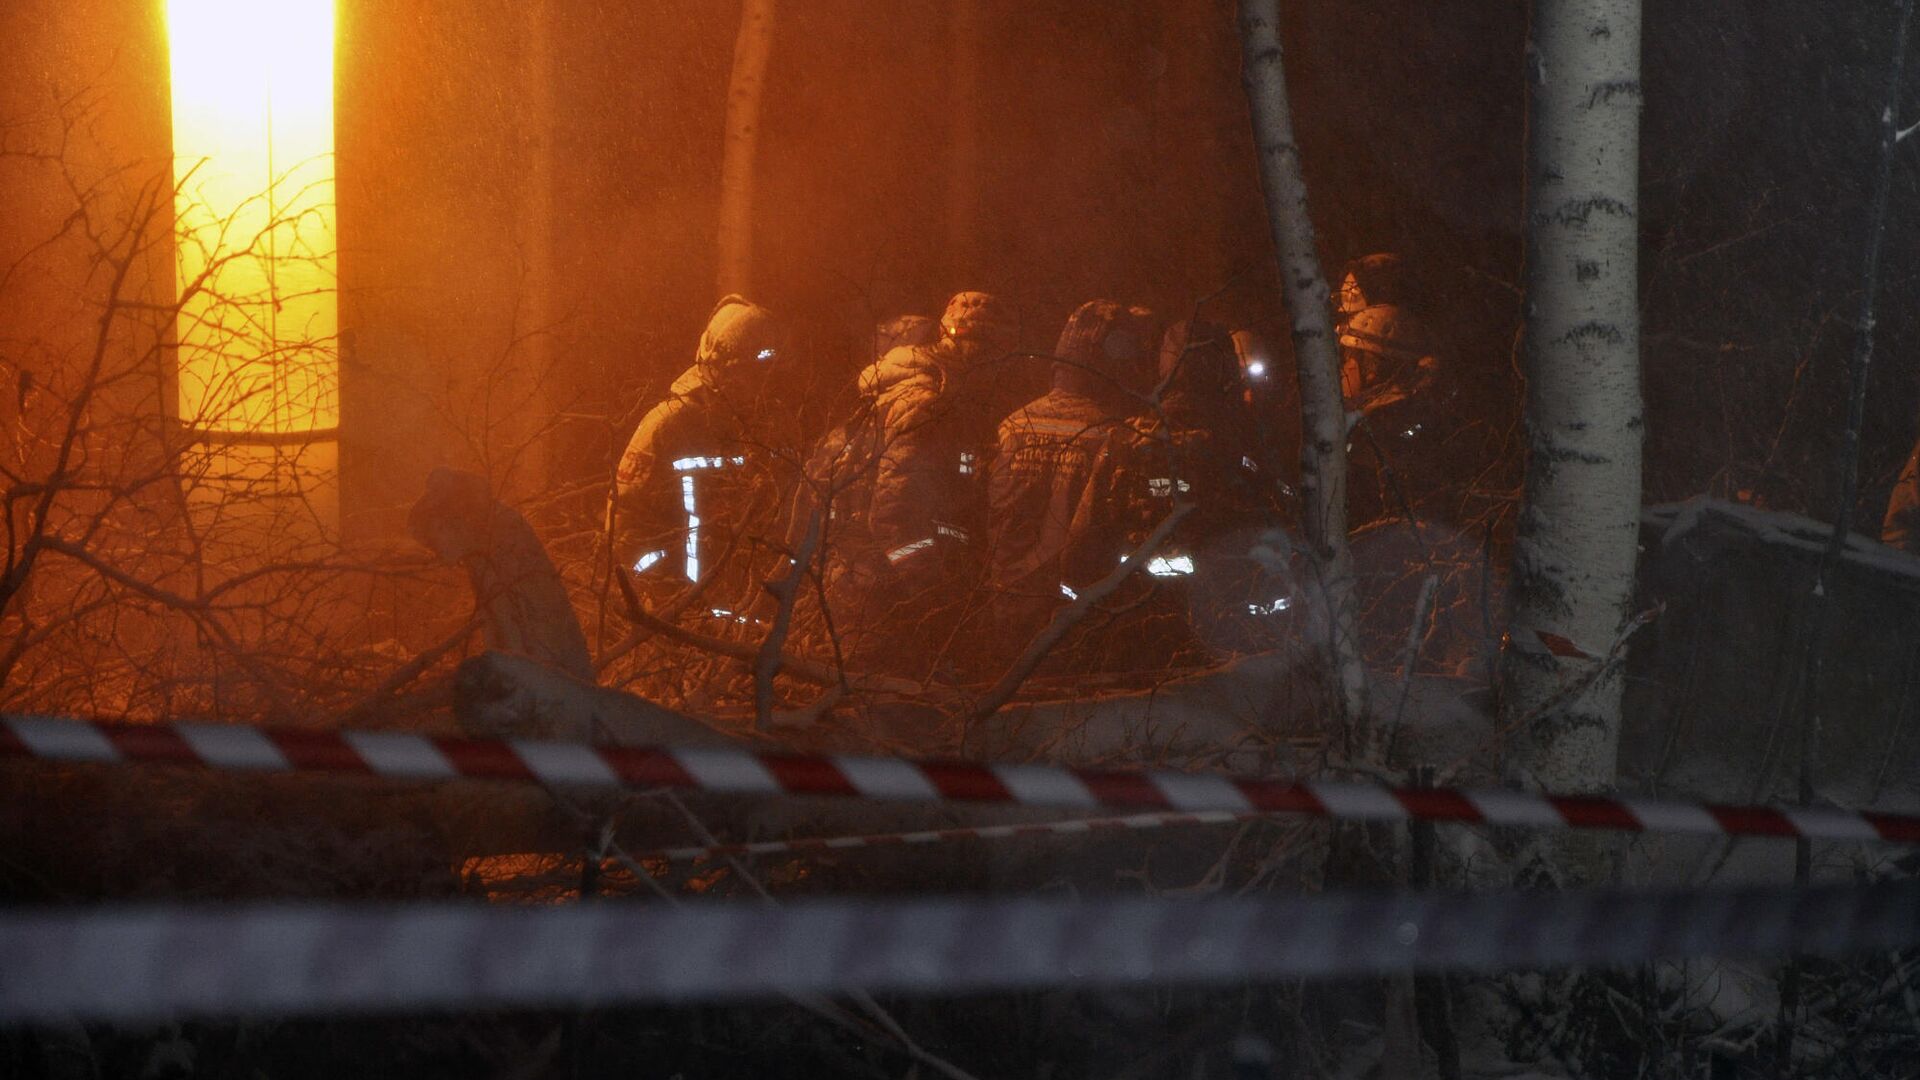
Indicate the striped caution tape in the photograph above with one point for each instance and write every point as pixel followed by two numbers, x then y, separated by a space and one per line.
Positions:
pixel 1070 827
pixel 152 963
pixel 747 772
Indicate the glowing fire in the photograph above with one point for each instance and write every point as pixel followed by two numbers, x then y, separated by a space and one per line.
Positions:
pixel 253 152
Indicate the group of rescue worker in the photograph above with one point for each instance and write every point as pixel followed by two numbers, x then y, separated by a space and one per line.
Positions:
pixel 948 517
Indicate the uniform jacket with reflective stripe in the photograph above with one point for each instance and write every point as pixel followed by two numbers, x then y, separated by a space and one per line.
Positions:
pixel 707 435
pixel 923 444
pixel 1057 494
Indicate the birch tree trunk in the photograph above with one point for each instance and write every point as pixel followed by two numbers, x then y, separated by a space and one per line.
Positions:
pixel 963 138
pixel 1323 440
pixel 534 322
pixel 1578 531
pixel 744 93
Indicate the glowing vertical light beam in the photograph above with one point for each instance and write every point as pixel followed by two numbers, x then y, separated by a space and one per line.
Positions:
pixel 257 265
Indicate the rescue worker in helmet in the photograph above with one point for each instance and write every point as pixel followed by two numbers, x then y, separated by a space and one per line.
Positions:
pixel 1406 445
pixel 907 330
pixel 934 407
pixel 1269 403
pixel 1210 421
pixel 1057 490
pixel 696 488
pixel 904 482
pixel 1206 446
pixel 1422 438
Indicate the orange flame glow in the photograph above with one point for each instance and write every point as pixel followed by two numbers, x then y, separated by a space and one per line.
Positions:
pixel 253 151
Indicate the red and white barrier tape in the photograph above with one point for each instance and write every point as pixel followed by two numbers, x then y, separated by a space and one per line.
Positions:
pixel 746 772
pixel 1070 827
pixel 150 963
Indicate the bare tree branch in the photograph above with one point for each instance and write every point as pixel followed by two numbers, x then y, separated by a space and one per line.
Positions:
pixel 1068 616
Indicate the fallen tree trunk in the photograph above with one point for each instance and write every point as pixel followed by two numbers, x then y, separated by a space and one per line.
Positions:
pixel 1223 718
pixel 1212 716
pixel 500 695
pixel 516 589
pixel 1255 714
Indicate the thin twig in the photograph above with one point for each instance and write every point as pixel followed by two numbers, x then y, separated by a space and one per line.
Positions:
pixel 804 670
pixel 785 592
pixel 1416 637
pixel 1069 616
pixel 413 668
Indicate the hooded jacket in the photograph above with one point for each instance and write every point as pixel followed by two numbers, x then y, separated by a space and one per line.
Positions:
pixel 695 470
pixel 928 432
pixel 909 471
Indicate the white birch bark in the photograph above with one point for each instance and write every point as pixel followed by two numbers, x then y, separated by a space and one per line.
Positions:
pixel 1578 531
pixel 1323 441
pixel 745 90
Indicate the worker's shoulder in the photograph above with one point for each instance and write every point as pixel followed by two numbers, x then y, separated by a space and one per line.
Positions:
pixel 1066 415
pixel 911 368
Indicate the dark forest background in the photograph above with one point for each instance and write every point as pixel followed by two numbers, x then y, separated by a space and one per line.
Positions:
pixel 1114 160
